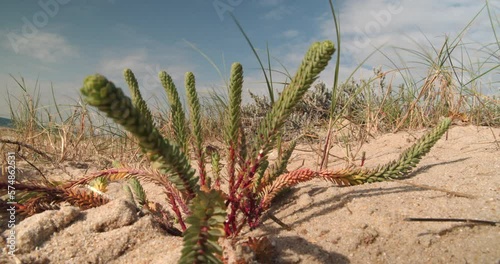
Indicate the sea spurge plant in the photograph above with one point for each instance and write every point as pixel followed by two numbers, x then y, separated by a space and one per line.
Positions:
pixel 247 164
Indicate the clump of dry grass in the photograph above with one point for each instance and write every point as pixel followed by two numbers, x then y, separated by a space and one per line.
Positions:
pixel 52 136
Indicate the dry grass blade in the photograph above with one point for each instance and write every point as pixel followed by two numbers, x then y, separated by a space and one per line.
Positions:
pixel 463 220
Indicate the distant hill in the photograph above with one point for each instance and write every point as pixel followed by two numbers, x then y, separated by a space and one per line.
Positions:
pixel 5 122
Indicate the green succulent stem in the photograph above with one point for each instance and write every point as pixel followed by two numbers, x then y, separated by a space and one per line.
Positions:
pixel 233 122
pixel 166 157
pixel 137 99
pixel 216 168
pixel 405 163
pixel 195 118
pixel 276 169
pixel 315 61
pixel 176 110
pixel 396 169
pixel 206 227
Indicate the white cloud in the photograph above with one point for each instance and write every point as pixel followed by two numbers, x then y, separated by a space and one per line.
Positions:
pixel 372 23
pixel 413 25
pixel 278 13
pixel 145 68
pixel 46 47
pixel 112 65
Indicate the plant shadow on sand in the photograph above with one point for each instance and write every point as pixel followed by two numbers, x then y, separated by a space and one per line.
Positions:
pixel 301 247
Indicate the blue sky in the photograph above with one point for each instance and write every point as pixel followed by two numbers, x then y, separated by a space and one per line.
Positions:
pixel 59 42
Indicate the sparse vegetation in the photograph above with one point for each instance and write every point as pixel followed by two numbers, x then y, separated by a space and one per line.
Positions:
pixel 209 202
pixel 252 182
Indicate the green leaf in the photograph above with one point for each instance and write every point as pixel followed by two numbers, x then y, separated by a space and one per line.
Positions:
pixel 207 226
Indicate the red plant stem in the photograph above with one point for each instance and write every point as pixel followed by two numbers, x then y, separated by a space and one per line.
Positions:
pixel 249 172
pixel 217 184
pixel 181 203
pixel 175 208
pixel 239 203
pixel 256 164
pixel 248 205
pixel 230 224
pixel 236 185
pixel 250 211
pixel 250 215
pixel 245 175
pixel 235 201
pixel 231 169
